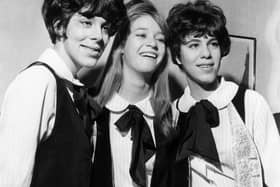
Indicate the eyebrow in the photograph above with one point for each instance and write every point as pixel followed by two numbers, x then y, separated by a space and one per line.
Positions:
pixel 191 40
pixel 140 28
pixel 80 15
pixel 144 29
pixel 86 14
pixel 90 15
pixel 198 40
pixel 213 39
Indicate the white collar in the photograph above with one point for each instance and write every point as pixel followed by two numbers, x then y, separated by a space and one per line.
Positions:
pixel 118 104
pixel 220 98
pixel 51 58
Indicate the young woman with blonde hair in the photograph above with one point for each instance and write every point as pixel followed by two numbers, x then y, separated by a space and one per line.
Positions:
pixel 134 129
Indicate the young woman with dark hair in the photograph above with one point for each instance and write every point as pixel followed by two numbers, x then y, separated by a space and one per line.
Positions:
pixel 218 120
pixel 45 135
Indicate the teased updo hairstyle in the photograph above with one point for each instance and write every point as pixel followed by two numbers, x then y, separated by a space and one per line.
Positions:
pixel 60 12
pixel 197 18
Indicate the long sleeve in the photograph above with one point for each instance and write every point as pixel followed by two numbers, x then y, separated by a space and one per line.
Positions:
pixel 262 125
pixel 27 113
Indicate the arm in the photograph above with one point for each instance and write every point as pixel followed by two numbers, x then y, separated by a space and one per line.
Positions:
pixel 265 134
pixel 27 111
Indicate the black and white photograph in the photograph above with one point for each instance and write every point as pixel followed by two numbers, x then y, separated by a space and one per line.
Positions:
pixel 139 93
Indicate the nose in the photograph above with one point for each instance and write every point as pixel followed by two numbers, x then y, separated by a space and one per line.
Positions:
pixel 96 32
pixel 151 42
pixel 205 53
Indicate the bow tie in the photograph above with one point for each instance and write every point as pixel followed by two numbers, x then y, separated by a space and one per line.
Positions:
pixel 143 146
pixel 81 102
pixel 79 97
pixel 132 116
pixel 195 131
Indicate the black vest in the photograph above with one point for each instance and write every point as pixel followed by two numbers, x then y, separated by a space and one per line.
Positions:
pixel 180 170
pixel 102 175
pixel 64 158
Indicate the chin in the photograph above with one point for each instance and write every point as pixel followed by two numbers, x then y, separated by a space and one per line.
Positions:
pixel 149 70
pixel 89 64
pixel 209 84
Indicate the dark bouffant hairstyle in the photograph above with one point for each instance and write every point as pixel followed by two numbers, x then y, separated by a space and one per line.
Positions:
pixel 62 10
pixel 197 18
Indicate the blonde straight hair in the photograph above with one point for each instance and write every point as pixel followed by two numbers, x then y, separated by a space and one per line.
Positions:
pixel 160 99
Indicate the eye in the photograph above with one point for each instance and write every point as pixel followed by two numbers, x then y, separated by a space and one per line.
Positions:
pixel 215 44
pixel 106 27
pixel 160 38
pixel 193 45
pixel 86 23
pixel 140 35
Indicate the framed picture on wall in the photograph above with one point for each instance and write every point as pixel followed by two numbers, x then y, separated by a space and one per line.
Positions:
pixel 240 64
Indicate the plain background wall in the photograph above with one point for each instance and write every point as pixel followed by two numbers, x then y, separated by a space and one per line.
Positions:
pixel 23 37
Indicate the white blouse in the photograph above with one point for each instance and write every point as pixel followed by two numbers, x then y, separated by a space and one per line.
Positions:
pixel 121 145
pixel 258 120
pixel 28 112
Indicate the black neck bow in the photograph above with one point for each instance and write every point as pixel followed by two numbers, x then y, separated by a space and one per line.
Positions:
pixel 195 131
pixel 143 146
pixel 87 108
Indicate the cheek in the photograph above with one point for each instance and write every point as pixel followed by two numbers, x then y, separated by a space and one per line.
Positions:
pixel 128 53
pixel 162 48
pixel 130 47
pixel 218 56
pixel 216 53
pixel 186 58
pixel 75 34
pixel 188 62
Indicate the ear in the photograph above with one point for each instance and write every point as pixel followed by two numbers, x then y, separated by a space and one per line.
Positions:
pixel 121 49
pixel 178 61
pixel 59 30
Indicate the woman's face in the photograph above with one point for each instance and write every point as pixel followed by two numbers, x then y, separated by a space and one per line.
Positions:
pixel 201 59
pixel 144 48
pixel 85 41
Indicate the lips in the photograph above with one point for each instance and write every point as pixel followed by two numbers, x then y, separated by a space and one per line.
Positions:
pixel 149 54
pixel 206 65
pixel 93 49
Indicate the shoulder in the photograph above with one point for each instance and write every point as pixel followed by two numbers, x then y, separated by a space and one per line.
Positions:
pixel 31 97
pixel 35 77
pixel 254 98
pixel 33 82
pixel 256 107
